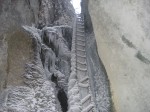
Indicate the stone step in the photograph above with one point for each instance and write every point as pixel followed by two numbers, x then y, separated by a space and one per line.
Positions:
pixel 80 52
pixel 80 44
pixel 82 69
pixel 80 31
pixel 82 56
pixel 80 20
pixel 81 73
pixel 83 50
pixel 84 92
pixel 80 27
pixel 85 99
pixel 79 16
pixel 81 66
pixel 88 108
pixel 80 35
pixel 84 79
pixel 83 85
pixel 82 63
pixel 82 60
pixel 80 47
pixel 79 23
pixel 79 39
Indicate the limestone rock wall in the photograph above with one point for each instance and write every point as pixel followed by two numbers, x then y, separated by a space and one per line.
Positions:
pixel 121 29
pixel 35 44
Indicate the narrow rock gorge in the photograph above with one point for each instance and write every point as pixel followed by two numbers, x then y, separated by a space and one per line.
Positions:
pixel 48 62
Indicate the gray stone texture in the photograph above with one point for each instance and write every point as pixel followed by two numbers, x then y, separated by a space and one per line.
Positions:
pixel 121 28
pixel 27 61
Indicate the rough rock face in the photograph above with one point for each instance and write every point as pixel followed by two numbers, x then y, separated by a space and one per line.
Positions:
pixel 19 52
pixel 16 51
pixel 122 34
pixel 96 70
pixel 98 76
pixel 14 13
pixel 35 60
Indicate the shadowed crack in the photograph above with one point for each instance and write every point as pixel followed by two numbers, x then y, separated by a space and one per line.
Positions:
pixel 127 42
pixel 142 58
pixel 62 97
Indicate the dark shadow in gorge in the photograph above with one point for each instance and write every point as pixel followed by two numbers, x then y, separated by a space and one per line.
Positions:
pixel 62 97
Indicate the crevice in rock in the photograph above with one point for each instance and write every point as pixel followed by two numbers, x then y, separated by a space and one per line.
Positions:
pixel 141 57
pixel 62 97
pixel 54 79
pixel 28 2
pixel 127 42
